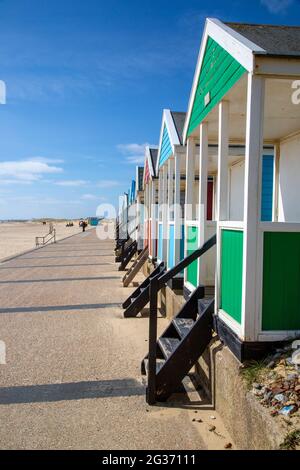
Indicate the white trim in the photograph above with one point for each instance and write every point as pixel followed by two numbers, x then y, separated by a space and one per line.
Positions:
pixel 278 335
pixel 279 227
pixel 234 43
pixel 231 322
pixel 223 153
pixel 231 225
pixel 252 205
pixel 189 286
pixel 278 67
pixel 178 213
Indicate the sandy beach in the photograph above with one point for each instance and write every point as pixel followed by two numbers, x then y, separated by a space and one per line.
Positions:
pixel 17 237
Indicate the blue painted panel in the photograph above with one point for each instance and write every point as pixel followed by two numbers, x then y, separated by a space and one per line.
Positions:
pixel 182 244
pixel 171 256
pixel 160 242
pixel 166 148
pixel 171 242
pixel 267 188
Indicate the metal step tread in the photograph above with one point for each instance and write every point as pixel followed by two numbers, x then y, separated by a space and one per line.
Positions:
pixel 183 325
pixel 159 364
pixel 168 346
pixel 203 304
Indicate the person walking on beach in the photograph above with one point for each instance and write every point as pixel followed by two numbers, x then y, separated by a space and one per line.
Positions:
pixel 83 225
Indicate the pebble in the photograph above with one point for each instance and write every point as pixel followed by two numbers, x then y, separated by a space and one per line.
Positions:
pixel 228 446
pixel 212 428
pixel 213 417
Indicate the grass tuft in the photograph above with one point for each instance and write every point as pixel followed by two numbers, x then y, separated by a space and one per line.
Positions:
pixel 254 371
pixel 291 441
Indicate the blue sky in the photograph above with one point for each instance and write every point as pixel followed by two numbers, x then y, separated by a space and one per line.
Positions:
pixel 86 85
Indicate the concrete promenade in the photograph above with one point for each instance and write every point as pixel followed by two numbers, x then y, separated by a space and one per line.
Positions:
pixel 72 378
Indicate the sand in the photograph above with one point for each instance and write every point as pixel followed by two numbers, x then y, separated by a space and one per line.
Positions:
pixel 17 237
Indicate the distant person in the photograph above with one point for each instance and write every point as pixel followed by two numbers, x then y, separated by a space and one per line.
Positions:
pixel 83 225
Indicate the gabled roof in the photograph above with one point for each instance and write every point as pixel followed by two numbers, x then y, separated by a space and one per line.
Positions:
pixel 238 45
pixel 139 177
pixel 179 119
pixel 150 163
pixel 170 135
pixel 274 40
pixel 153 155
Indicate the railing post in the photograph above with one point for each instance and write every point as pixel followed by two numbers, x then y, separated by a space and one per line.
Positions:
pixel 151 390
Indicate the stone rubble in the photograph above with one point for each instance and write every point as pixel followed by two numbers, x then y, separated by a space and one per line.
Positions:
pixel 279 389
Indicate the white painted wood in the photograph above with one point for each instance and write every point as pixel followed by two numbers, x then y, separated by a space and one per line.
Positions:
pixel 202 205
pixel 190 180
pixel 289 181
pixel 189 190
pixel 223 153
pixel 177 212
pixel 165 211
pixel 235 326
pixel 170 198
pixel 278 67
pixel 236 191
pixel 153 218
pixel 252 204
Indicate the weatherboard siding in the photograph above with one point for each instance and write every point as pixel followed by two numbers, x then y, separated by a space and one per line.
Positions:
pixel 267 188
pixel 281 281
pixel 232 273
pixel 166 147
pixel 192 245
pixel 219 72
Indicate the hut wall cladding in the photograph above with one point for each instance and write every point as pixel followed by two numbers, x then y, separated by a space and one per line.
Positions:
pixel 232 273
pixel 166 147
pixel 281 281
pixel 219 72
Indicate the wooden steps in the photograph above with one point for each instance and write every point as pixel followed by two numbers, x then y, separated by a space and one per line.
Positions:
pixel 136 267
pixel 140 297
pixel 182 344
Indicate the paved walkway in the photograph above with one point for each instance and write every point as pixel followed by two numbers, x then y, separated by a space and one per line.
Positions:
pixel 72 378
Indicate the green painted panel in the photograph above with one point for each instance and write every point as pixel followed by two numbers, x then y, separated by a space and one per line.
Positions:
pixel 192 245
pixel 232 273
pixel 281 282
pixel 219 72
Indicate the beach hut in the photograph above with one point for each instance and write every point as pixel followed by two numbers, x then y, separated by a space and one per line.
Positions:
pixel 139 200
pixel 170 170
pixel 150 201
pixel 244 102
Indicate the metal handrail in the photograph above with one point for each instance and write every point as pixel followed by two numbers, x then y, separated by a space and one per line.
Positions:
pixel 44 241
pixel 156 284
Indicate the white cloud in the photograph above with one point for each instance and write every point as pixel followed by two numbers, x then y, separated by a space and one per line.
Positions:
pixel 47 160
pixel 88 197
pixel 277 6
pixel 71 183
pixel 134 153
pixel 107 184
pixel 25 171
